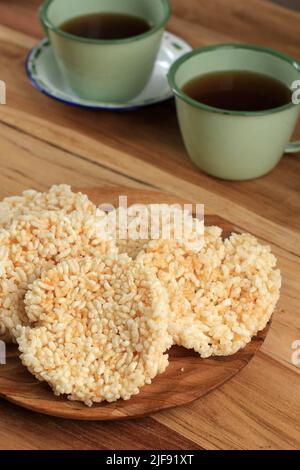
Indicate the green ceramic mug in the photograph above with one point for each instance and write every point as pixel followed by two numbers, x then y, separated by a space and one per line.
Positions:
pixel 235 145
pixel 106 70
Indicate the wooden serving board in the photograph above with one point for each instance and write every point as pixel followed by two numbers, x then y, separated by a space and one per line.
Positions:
pixel 187 378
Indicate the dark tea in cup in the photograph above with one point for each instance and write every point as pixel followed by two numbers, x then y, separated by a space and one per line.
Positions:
pixel 107 26
pixel 238 91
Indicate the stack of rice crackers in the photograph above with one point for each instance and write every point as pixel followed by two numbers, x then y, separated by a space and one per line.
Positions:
pixel 95 315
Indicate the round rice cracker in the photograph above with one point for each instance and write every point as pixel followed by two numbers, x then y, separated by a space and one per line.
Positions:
pixel 219 298
pixel 101 329
pixel 59 197
pixel 143 223
pixel 35 242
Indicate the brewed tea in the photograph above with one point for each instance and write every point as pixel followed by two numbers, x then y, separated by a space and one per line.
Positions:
pixel 238 91
pixel 106 26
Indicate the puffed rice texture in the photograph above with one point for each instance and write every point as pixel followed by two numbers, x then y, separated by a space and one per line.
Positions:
pixel 138 224
pixel 37 241
pixel 99 329
pixel 219 298
pixel 59 197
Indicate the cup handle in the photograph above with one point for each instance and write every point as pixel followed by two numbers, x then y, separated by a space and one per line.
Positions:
pixel 293 147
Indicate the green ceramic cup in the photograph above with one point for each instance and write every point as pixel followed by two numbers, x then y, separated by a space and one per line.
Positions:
pixel 235 145
pixel 105 70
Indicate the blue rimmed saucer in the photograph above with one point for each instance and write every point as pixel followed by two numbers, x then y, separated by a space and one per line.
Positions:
pixel 44 74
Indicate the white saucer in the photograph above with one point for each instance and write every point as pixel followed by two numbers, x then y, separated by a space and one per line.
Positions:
pixel 44 74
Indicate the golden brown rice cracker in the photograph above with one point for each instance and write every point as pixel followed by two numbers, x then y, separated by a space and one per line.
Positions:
pixel 35 242
pixel 219 298
pixel 101 329
pixel 59 197
pixel 169 222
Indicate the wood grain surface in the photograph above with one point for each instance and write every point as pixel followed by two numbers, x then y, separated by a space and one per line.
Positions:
pixel 187 378
pixel 44 142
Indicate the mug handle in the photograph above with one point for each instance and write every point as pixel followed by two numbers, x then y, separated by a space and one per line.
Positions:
pixel 293 147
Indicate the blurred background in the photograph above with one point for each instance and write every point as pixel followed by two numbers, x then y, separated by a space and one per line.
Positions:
pixel 289 3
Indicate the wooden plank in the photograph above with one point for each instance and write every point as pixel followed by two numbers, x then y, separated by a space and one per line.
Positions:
pixel 245 413
pixel 21 15
pixel 27 162
pixel 31 431
pixel 256 22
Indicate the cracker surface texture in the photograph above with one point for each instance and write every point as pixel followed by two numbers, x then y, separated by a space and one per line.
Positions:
pixel 98 329
pixel 135 226
pixel 220 297
pixel 37 241
pixel 59 197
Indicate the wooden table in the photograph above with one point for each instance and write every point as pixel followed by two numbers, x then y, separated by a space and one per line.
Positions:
pixel 44 142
